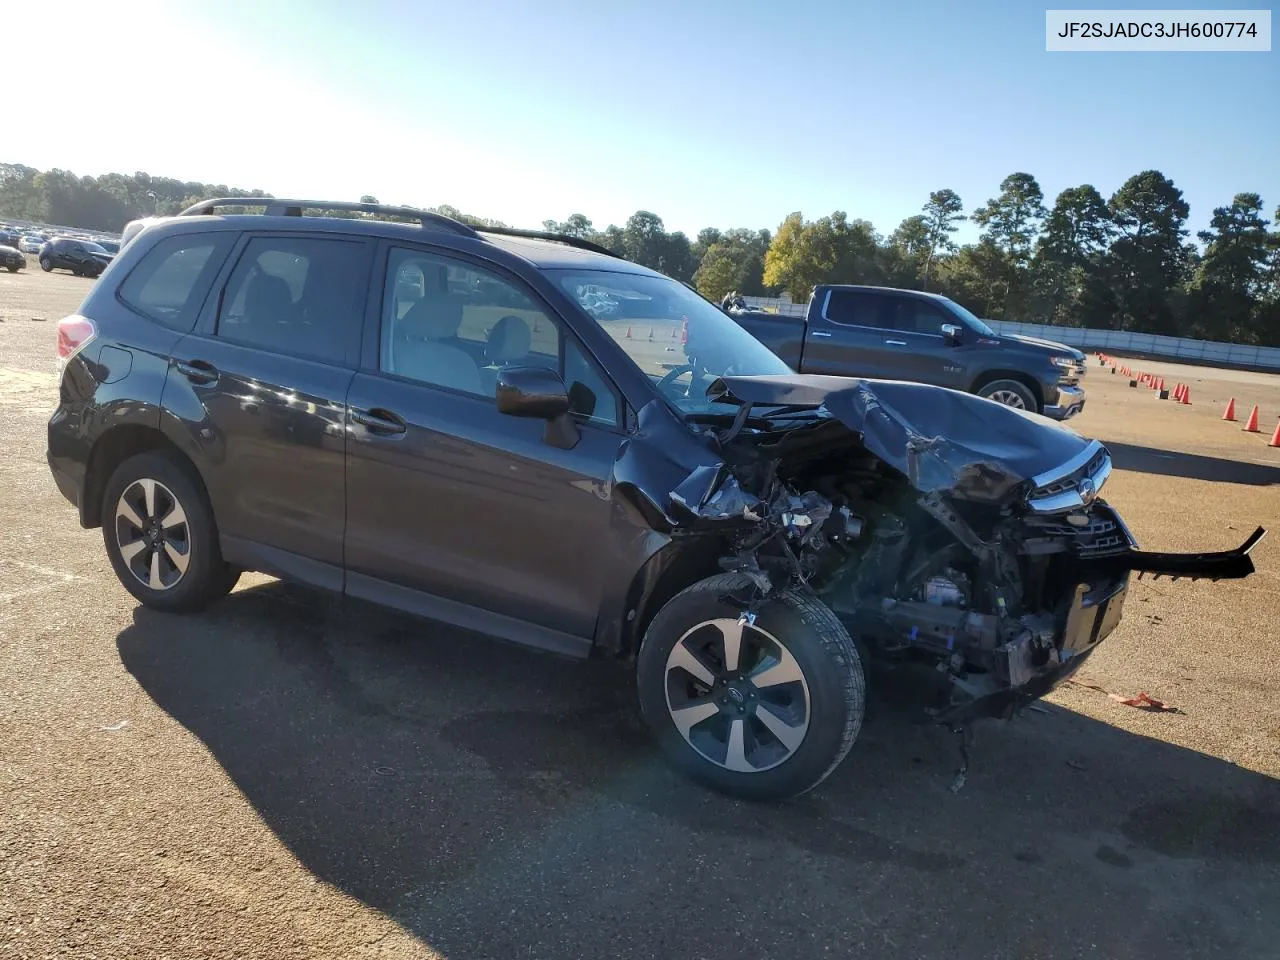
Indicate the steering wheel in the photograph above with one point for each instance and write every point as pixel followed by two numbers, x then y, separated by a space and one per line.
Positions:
pixel 672 375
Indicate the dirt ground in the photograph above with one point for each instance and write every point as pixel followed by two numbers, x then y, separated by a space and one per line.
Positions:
pixel 289 776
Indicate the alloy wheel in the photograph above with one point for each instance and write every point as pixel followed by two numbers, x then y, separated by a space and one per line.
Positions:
pixel 153 534
pixel 737 695
pixel 1009 398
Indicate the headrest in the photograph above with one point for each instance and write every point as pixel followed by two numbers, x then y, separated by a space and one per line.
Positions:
pixel 509 339
pixel 433 318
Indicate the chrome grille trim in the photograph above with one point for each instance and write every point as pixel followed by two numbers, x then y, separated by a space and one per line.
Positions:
pixel 1059 489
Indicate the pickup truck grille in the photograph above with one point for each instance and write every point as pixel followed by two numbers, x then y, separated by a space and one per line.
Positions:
pixel 1074 484
pixel 1104 535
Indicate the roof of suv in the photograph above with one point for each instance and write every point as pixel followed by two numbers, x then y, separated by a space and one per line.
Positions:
pixel 540 249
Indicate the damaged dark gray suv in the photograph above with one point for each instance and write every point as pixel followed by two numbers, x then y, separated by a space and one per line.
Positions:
pixel 522 434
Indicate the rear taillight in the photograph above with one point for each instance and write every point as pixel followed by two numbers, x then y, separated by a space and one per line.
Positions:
pixel 74 333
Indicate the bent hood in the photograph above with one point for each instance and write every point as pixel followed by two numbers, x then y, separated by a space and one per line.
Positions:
pixel 943 441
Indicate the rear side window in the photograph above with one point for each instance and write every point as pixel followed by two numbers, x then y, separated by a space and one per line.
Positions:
pixel 855 309
pixel 170 282
pixel 300 296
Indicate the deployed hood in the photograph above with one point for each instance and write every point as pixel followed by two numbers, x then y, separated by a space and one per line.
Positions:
pixel 942 440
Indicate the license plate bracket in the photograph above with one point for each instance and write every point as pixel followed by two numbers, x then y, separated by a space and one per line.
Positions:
pixel 1094 615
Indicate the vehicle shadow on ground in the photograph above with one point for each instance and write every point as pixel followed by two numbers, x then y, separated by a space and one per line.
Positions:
pixel 500 802
pixel 1173 463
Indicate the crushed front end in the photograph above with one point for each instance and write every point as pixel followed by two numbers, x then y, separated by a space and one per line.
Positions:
pixel 1000 569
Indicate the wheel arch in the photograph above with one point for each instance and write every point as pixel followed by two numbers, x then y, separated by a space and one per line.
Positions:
pixel 670 569
pixel 113 448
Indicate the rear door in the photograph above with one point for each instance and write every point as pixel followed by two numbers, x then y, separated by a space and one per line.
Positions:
pixel 452 506
pixel 849 337
pixel 884 335
pixel 261 385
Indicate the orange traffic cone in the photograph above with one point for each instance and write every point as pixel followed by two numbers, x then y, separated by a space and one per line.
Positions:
pixel 628 333
pixel 1251 426
pixel 1230 413
pixel 1177 392
pixel 1162 383
pixel 1275 437
pixel 1186 396
pixel 651 334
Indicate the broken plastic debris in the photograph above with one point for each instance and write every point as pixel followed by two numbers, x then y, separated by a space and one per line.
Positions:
pixel 1144 702
pixel 115 726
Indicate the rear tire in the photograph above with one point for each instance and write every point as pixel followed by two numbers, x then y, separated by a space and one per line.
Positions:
pixel 1011 393
pixel 160 534
pixel 761 711
pixel 14 269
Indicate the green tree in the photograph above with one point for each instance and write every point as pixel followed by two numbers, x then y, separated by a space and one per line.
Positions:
pixel 1148 260
pixel 1231 279
pixel 576 226
pixel 942 216
pixel 1068 271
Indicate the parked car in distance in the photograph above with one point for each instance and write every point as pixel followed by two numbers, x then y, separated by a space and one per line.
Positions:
pixel 430 416
pixel 82 257
pixel 894 334
pixel 31 243
pixel 10 238
pixel 12 259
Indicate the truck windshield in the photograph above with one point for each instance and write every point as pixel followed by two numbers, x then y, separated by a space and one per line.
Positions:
pixel 675 336
pixel 969 319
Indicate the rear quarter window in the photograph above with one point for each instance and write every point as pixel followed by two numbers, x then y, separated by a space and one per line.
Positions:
pixel 170 282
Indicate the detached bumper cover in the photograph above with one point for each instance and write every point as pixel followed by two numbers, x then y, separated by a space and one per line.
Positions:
pixel 1218 565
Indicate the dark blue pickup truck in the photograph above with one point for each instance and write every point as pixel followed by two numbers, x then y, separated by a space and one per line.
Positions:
pixel 891 334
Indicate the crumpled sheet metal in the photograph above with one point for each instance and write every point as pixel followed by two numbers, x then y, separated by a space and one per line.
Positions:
pixel 943 441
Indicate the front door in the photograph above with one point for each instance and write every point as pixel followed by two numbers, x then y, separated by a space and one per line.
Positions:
pixel 452 507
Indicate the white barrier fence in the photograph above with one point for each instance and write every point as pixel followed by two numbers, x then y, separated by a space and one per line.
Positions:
pixel 1118 341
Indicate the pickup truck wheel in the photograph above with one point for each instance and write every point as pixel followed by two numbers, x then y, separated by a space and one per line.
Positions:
pixel 161 537
pixel 762 710
pixel 1011 393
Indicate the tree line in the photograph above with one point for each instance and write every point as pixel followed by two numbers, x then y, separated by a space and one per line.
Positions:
pixel 1125 262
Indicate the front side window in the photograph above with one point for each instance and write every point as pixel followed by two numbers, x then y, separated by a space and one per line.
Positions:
pixel 681 341
pixel 296 296
pixel 450 324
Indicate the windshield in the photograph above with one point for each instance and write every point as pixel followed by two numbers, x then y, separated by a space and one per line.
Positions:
pixel 969 319
pixel 675 336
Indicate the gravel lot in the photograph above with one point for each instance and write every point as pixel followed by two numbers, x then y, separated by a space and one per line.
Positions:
pixel 290 776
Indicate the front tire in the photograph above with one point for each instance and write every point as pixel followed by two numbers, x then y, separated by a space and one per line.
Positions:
pixel 160 534
pixel 46 264
pixel 763 710
pixel 1011 393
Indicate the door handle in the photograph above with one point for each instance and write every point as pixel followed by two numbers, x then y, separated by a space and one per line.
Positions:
pixel 821 333
pixel 380 421
pixel 197 371
pixel 896 343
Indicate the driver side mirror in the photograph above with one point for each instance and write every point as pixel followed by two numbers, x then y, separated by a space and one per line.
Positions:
pixel 951 333
pixel 538 393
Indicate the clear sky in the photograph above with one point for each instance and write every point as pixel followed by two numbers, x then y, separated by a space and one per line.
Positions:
pixel 707 112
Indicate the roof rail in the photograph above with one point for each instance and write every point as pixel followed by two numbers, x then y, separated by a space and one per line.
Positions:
pixel 275 207
pixel 556 237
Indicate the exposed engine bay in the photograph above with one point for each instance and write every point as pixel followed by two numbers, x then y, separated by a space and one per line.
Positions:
pixel 985 550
